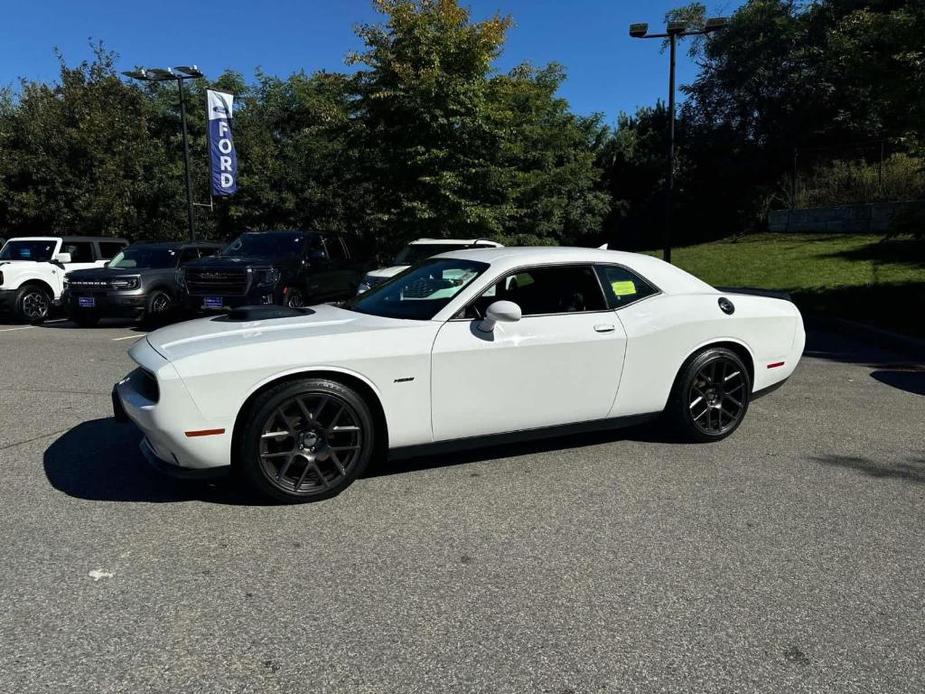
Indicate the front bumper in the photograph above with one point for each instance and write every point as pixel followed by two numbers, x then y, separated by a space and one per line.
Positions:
pixel 8 299
pixel 171 422
pixel 177 472
pixel 197 302
pixel 114 304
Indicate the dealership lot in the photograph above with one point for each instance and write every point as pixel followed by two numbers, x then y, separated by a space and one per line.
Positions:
pixel 788 557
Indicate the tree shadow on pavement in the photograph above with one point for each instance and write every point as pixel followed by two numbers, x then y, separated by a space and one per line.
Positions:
pixel 912 470
pixel 889 368
pixel 909 380
pixel 99 460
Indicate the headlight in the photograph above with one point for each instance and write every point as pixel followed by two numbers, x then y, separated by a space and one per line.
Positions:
pixel 124 283
pixel 180 278
pixel 268 278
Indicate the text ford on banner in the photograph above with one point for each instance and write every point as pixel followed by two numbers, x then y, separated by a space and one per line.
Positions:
pixel 221 146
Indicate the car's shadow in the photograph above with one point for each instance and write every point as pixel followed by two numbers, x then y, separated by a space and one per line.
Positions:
pixel 447 457
pixel 99 460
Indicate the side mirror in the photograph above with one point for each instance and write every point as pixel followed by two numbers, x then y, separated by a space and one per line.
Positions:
pixel 63 257
pixel 499 312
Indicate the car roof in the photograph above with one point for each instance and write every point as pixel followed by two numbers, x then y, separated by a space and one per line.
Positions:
pixel 667 277
pixel 64 237
pixel 177 245
pixel 468 242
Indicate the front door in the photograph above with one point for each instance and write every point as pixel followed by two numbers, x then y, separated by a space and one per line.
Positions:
pixel 560 364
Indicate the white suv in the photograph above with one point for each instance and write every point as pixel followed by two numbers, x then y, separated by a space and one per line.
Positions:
pixel 32 269
pixel 415 252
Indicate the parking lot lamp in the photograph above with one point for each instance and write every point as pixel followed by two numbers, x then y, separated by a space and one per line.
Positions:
pixel 673 32
pixel 179 74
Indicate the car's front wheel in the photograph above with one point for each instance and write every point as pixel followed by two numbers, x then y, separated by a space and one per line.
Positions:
pixel 158 307
pixel 710 396
pixel 305 440
pixel 295 298
pixel 33 304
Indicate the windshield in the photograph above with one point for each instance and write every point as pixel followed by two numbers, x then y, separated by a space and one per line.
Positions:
pixel 414 253
pixel 144 256
pixel 272 244
pixel 28 250
pixel 420 292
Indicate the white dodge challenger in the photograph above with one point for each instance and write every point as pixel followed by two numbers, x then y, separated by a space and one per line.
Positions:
pixel 468 347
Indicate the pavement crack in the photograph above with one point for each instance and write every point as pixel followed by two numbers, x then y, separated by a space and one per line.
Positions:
pixel 14 389
pixel 34 438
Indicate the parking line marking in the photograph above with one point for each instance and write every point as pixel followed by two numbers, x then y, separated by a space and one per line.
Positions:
pixel 129 337
pixel 57 320
pixel 9 330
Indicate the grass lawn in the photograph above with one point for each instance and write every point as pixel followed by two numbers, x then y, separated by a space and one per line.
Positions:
pixel 854 276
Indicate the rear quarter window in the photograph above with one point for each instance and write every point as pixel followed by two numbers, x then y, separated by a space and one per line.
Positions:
pixel 623 287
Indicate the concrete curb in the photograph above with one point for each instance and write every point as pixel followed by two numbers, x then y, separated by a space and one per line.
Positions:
pixel 876 337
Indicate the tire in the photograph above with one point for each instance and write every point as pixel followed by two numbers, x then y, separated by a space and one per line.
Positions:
pixel 158 307
pixel 294 298
pixel 710 396
pixel 85 319
pixel 283 456
pixel 33 304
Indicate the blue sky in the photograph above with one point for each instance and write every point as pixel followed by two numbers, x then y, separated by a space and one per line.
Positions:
pixel 607 71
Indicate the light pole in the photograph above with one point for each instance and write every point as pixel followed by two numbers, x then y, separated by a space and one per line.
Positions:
pixel 673 32
pixel 183 72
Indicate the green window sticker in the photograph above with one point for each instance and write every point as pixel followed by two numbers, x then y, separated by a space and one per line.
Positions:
pixel 623 287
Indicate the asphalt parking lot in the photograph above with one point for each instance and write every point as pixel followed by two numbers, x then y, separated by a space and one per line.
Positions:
pixel 790 557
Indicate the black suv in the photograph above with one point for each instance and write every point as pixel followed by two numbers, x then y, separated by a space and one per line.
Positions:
pixel 140 282
pixel 290 268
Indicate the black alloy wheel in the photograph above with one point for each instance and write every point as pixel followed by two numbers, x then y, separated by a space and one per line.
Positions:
pixel 306 440
pixel 158 307
pixel 295 298
pixel 33 304
pixel 711 395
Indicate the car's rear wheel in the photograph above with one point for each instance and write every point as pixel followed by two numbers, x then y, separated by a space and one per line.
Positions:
pixel 305 440
pixel 710 396
pixel 33 304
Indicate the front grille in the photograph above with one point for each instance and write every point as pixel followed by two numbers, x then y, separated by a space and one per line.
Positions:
pixel 145 384
pixel 218 282
pixel 88 284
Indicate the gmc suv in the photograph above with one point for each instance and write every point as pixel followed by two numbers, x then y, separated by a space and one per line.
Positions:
pixel 140 282
pixel 290 268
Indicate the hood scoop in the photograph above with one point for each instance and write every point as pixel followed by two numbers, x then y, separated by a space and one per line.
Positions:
pixel 247 314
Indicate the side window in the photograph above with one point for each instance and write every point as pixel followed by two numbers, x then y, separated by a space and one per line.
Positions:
pixel 81 251
pixel 545 290
pixel 622 287
pixel 315 248
pixel 110 249
pixel 335 249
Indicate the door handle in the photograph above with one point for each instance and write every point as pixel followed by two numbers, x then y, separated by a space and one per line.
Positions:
pixel 604 328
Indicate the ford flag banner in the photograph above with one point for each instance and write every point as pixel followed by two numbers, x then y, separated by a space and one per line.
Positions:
pixel 221 146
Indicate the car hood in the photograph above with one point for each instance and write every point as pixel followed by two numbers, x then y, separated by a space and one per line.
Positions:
pixel 104 273
pixel 387 272
pixel 218 334
pixel 21 262
pixel 238 261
